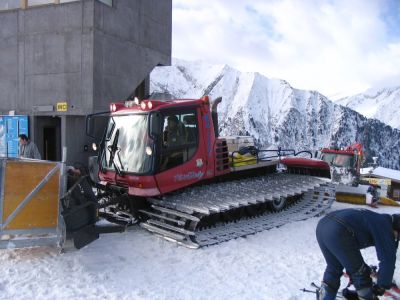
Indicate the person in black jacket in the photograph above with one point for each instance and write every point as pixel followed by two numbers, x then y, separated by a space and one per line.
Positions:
pixel 341 234
pixel 174 133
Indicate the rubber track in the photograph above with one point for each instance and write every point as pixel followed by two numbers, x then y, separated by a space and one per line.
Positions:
pixel 202 201
pixel 304 209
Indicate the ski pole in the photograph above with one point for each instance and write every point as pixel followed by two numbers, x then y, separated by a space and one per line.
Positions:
pixel 317 287
pixel 314 285
pixel 307 291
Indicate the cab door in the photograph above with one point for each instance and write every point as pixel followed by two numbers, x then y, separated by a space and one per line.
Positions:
pixel 180 163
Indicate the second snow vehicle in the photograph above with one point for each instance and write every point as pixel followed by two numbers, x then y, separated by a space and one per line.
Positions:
pixel 346 171
pixel 345 163
pixel 163 162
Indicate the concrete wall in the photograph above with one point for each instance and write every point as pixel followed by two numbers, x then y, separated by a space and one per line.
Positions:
pixel 13 4
pixel 8 60
pixel 131 38
pixel 46 57
pixel 85 53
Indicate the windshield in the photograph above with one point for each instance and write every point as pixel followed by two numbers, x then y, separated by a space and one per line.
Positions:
pixel 339 160
pixel 126 143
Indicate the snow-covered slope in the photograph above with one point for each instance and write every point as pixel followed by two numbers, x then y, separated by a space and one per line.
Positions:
pixel 275 113
pixel 270 265
pixel 382 104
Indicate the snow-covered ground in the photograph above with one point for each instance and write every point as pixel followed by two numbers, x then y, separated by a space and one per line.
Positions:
pixel 274 265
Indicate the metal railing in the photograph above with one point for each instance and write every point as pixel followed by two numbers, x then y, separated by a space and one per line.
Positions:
pixel 260 155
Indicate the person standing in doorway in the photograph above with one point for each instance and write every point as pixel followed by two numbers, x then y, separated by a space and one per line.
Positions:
pixel 27 148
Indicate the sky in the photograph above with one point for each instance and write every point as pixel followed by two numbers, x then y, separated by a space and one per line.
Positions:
pixel 337 47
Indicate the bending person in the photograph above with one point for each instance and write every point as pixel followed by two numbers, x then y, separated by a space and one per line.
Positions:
pixel 341 234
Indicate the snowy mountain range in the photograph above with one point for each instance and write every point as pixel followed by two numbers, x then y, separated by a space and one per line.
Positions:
pixel 382 104
pixel 277 114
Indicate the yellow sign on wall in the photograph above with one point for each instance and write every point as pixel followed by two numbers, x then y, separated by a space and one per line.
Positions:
pixel 379 181
pixel 62 106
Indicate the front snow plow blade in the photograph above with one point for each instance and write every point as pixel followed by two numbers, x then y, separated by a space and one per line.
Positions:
pixel 212 214
pixel 351 194
pixel 359 195
pixel 80 213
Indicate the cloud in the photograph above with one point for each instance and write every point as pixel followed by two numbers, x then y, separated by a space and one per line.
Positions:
pixel 333 46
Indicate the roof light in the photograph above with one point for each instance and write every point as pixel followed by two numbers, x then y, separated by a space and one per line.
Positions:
pixel 143 105
pixel 136 101
pixel 149 104
pixel 113 107
pixel 94 147
pixel 128 103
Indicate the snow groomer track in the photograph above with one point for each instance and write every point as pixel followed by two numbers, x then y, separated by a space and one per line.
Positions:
pixel 211 214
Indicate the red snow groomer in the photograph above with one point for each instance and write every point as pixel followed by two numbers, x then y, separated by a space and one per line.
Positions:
pixel 162 162
pixel 345 163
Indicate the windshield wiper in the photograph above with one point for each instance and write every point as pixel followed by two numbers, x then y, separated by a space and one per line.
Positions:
pixel 120 162
pixel 113 148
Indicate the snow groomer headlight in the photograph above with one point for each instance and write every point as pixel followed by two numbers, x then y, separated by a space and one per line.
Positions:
pixel 149 151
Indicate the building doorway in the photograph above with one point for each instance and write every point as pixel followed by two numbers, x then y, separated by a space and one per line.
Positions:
pixel 48 137
pixel 49 143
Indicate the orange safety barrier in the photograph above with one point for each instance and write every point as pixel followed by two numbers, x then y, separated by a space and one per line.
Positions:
pixel 29 202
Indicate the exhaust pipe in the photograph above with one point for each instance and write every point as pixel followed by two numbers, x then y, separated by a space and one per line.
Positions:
pixel 214 114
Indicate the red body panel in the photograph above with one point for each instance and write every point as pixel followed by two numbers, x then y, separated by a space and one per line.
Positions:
pixel 347 152
pixel 145 186
pixel 305 162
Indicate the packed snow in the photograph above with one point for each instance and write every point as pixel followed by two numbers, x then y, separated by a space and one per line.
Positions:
pixel 273 265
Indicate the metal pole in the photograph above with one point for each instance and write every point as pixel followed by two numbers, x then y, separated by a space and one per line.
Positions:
pixel 64 154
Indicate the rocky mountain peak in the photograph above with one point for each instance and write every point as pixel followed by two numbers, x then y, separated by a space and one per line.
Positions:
pixel 278 115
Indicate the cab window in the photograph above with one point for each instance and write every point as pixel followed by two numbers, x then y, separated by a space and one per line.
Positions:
pixel 180 138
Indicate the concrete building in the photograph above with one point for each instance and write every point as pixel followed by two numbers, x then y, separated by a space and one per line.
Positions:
pixel 60 62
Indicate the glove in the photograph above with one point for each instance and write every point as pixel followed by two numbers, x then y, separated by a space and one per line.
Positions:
pixel 378 290
pixel 367 293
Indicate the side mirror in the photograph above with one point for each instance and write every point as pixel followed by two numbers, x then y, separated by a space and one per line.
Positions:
pixel 95 124
pixel 155 120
